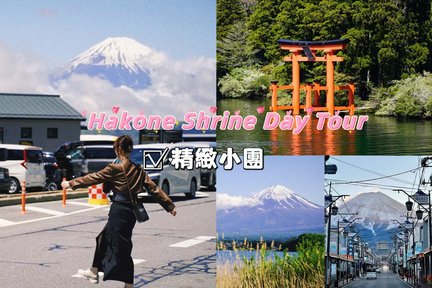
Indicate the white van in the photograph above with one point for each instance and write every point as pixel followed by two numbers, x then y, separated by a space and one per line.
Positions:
pixel 97 139
pixel 25 163
pixel 208 176
pixel 171 180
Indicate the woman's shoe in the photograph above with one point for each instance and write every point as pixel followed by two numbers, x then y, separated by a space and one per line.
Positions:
pixel 89 275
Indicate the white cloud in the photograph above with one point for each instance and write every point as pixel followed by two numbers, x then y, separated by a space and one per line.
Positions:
pixel 225 201
pixel 177 87
pixel 22 74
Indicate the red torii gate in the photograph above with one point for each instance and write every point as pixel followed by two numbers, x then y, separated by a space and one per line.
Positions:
pixel 310 49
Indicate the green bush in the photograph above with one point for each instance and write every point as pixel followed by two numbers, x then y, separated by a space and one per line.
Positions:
pixel 245 83
pixel 410 97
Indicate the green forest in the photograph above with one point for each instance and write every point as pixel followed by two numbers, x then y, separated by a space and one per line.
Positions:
pixel 388 58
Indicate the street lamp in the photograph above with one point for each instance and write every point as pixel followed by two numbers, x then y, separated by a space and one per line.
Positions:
pixel 419 214
pixel 334 210
pixel 409 205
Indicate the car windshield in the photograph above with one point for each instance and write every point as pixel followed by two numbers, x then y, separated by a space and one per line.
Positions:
pixel 34 156
pixel 99 153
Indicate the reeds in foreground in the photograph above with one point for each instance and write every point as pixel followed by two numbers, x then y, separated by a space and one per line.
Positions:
pixel 301 271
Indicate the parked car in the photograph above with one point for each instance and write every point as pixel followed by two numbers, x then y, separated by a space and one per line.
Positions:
pixel 91 159
pixel 5 180
pixel 208 176
pixel 378 270
pixel 171 180
pixel 98 139
pixel 371 273
pixel 72 150
pixel 25 163
pixel 52 171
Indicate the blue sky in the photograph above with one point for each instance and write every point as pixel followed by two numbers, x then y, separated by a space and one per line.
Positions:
pixel 304 175
pixel 378 166
pixel 39 38
pixel 57 31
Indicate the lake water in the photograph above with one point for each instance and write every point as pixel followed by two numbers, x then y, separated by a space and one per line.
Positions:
pixel 380 135
pixel 224 256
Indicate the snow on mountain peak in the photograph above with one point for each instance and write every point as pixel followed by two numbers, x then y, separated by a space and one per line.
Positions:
pixel 277 192
pixel 284 196
pixel 374 208
pixel 121 51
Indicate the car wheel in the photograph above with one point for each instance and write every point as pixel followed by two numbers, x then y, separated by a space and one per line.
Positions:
pixel 14 186
pixel 165 187
pixel 192 189
pixel 52 186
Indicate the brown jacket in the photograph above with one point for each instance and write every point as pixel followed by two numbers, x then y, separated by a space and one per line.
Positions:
pixel 113 173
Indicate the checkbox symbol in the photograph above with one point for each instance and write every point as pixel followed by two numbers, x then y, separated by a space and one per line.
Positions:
pixel 153 159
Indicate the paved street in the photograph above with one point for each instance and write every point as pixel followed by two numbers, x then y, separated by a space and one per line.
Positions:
pixel 45 247
pixel 384 280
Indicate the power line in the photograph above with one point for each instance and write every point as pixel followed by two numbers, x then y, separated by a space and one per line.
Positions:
pixel 375 179
pixel 380 186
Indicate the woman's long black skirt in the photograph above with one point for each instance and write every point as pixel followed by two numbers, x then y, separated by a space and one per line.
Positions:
pixel 114 245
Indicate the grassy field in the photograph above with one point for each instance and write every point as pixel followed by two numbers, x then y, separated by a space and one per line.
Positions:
pixel 304 270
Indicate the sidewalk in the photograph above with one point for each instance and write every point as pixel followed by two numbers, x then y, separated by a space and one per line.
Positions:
pixel 33 197
pixel 345 282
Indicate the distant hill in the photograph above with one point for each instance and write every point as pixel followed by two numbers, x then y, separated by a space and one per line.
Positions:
pixel 275 212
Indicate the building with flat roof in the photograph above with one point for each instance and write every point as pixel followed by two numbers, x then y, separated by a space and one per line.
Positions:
pixel 38 119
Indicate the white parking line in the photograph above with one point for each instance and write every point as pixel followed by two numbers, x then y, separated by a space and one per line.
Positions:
pixel 138 261
pixel 192 242
pixel 4 222
pixel 201 194
pixel 80 203
pixel 51 217
pixel 46 211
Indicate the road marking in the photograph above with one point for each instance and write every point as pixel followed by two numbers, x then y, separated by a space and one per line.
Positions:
pixel 4 222
pixel 46 211
pixel 53 217
pixel 192 242
pixel 138 261
pixel 201 194
pixel 80 203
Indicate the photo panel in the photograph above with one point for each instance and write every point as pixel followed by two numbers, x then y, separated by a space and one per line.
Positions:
pixel 377 211
pixel 270 224
pixel 76 78
pixel 325 77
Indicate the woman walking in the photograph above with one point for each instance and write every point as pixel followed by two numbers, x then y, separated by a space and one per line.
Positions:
pixel 114 244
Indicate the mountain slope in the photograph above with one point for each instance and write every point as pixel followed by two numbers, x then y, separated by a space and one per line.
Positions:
pixel 273 211
pixel 115 59
pixel 375 208
pixel 376 211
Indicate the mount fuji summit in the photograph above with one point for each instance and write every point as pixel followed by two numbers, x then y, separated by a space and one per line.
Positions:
pixel 275 212
pixel 117 60
pixel 376 211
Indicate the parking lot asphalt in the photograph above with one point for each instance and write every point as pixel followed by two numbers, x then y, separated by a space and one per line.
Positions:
pixel 46 246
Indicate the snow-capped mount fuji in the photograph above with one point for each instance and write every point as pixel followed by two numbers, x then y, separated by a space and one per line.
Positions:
pixel 275 212
pixel 375 209
pixel 116 59
pixel 284 197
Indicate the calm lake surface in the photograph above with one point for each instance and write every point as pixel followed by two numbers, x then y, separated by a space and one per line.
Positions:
pixel 380 135
pixel 224 256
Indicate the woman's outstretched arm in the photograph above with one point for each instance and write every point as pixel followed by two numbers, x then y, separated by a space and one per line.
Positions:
pixel 93 178
pixel 158 194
